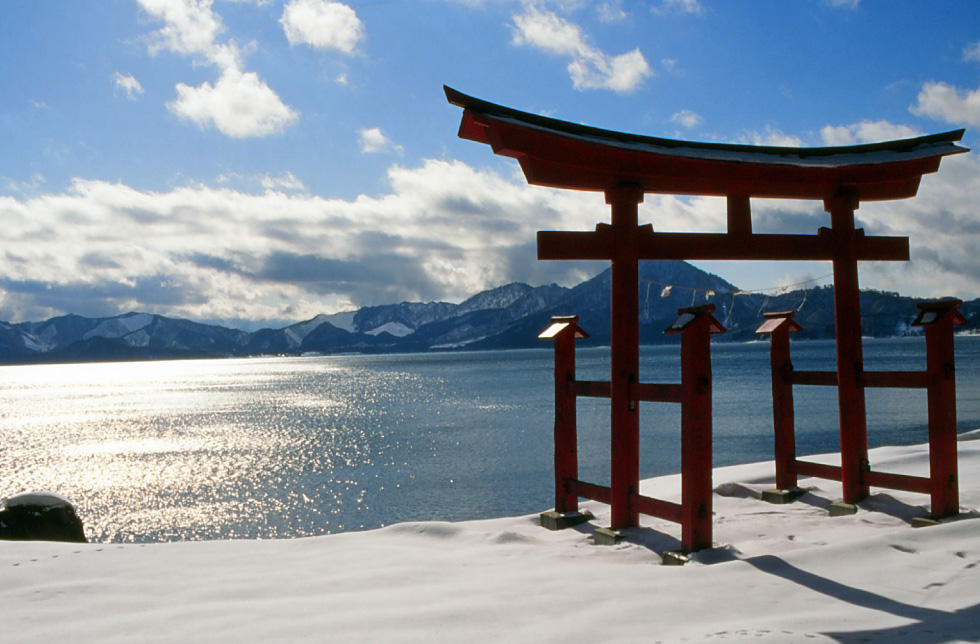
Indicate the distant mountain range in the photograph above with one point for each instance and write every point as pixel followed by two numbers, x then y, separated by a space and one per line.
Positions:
pixel 506 317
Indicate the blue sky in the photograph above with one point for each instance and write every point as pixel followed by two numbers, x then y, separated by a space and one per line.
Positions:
pixel 259 162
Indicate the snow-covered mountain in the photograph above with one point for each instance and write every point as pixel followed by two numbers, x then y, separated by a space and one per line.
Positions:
pixel 140 335
pixel 509 316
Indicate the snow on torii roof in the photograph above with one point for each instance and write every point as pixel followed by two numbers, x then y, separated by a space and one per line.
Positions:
pixel 568 155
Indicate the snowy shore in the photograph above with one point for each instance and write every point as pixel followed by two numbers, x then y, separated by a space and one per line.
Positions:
pixel 777 574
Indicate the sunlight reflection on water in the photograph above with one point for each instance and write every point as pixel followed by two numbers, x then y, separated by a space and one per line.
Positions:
pixel 268 448
pixel 203 449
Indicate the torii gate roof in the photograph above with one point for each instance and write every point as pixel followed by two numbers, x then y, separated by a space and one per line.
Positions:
pixel 560 154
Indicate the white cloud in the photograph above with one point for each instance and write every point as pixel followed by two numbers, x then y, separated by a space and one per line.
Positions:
pixel 943 232
pixel 612 11
pixel 128 84
pixel 847 4
pixel 770 136
pixel 866 132
pixel 590 68
pixel 239 105
pixel 972 52
pixel 444 230
pixel 947 103
pixel 678 6
pixel 373 140
pixel 547 31
pixel 191 28
pixel 35 183
pixel 686 118
pixel 287 181
pixel 321 24
pixel 622 73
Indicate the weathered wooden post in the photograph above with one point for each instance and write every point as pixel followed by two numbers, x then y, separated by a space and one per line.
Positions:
pixel 696 324
pixel 779 325
pixel 850 352
pixel 564 330
pixel 938 318
pixel 625 358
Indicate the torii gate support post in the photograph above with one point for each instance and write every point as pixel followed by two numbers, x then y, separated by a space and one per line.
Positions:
pixel 779 325
pixel 941 392
pixel 850 356
pixel 625 360
pixel 696 434
pixel 564 331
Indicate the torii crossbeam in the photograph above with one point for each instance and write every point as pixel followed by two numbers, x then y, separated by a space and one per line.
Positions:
pixel 624 167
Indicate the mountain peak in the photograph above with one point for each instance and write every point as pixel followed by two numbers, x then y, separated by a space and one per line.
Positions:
pixel 508 316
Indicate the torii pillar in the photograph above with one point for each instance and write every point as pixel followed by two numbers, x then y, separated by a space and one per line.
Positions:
pixel 850 352
pixel 625 360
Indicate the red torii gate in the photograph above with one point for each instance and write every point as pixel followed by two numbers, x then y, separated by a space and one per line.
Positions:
pixel 624 167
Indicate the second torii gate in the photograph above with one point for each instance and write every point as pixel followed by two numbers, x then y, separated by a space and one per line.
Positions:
pixel 625 167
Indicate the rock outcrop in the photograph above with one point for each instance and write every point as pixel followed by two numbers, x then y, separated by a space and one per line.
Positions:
pixel 40 516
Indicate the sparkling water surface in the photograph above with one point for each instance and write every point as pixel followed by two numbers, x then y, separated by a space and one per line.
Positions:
pixel 291 447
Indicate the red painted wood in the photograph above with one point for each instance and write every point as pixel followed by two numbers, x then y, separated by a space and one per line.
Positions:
pixel 878 379
pixel 625 364
pixel 739 214
pixel 696 435
pixel 592 491
pixel 895 379
pixel 943 468
pixel 557 175
pixel 850 353
pixel 783 412
pixel 903 482
pixel 564 155
pixel 598 245
pixel 813 378
pixel 818 470
pixel 566 437
pixel 648 392
pixel 592 389
pixel 658 508
pixel 657 393
pixel 557 160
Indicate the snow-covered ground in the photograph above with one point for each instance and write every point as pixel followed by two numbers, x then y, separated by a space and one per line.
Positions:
pixel 777 574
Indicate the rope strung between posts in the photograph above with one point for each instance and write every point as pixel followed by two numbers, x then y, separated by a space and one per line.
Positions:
pixel 666 289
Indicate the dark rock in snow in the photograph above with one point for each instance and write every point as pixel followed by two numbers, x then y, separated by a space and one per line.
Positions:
pixel 40 516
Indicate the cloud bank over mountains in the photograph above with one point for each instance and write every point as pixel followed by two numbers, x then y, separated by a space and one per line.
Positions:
pixel 293 158
pixel 444 231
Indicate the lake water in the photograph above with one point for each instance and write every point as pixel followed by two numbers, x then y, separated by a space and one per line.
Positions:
pixel 290 447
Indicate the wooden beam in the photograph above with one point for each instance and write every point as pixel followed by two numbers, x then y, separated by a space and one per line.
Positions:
pixel 818 470
pixel 590 389
pixel 739 215
pixel 591 491
pixel 668 393
pixel 693 246
pixel 902 482
pixel 895 379
pixel 818 378
pixel 659 508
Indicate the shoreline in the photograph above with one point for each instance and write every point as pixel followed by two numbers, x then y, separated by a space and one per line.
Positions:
pixel 780 573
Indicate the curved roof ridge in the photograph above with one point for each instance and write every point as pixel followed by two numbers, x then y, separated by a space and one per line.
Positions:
pixel 943 141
